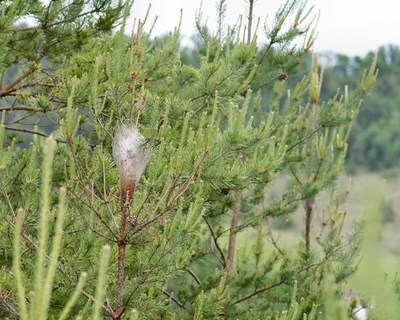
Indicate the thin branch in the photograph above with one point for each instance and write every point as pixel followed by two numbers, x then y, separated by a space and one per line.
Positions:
pixel 263 56
pixel 139 211
pixel 72 18
pixel 217 257
pixel 33 132
pixel 11 85
pixel 9 307
pixel 306 268
pixel 107 309
pixel 15 108
pixel 97 213
pixel 304 138
pixel 232 234
pixel 272 239
pixel 309 207
pixel 171 296
pixel 195 277
pixel 260 291
pixel 215 238
pixel 156 217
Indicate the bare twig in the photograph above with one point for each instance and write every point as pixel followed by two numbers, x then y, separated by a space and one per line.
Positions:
pixel 107 309
pixel 10 87
pixel 255 293
pixel 215 238
pixel 171 296
pixel 32 132
pixel 195 277
pixel 304 138
pixel 97 213
pixel 272 239
pixel 18 108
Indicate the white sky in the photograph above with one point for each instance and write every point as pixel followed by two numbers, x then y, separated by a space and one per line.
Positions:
pixel 352 27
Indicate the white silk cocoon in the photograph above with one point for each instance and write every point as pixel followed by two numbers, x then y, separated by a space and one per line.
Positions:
pixel 131 154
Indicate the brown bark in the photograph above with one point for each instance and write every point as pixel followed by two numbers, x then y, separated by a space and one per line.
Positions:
pixel 232 235
pixel 309 206
pixel 127 191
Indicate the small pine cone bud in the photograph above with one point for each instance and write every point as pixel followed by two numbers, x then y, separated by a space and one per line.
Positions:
pixel 283 76
pixel 131 155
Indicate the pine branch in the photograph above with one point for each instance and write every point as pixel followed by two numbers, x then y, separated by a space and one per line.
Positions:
pixel 18 108
pixel 283 281
pixel 304 138
pixel 10 87
pixel 33 132
pixel 91 206
pixel 257 292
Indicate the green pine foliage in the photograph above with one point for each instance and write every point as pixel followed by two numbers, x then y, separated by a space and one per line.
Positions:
pixel 190 238
pixel 373 143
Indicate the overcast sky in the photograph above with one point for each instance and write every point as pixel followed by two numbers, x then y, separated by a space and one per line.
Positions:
pixel 352 27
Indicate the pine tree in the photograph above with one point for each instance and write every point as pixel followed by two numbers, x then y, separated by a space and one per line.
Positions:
pixel 168 164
